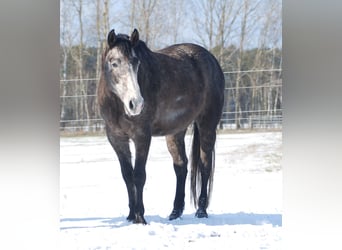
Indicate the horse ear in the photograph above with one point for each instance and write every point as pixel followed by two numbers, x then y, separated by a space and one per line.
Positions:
pixel 135 37
pixel 111 38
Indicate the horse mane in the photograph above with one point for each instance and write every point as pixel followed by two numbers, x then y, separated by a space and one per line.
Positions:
pixel 102 90
pixel 107 101
pixel 142 51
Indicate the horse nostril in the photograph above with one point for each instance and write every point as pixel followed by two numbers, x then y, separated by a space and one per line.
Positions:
pixel 131 104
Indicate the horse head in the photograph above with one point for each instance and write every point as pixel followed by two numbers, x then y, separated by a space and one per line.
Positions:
pixel 120 66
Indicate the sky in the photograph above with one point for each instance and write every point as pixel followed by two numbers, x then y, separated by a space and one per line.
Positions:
pixel 118 19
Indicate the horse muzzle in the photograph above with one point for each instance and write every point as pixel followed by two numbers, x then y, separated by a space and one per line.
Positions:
pixel 135 106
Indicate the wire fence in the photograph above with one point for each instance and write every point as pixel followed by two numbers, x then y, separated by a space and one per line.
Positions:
pixel 255 105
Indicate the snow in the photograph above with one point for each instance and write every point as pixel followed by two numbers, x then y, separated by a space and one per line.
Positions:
pixel 245 210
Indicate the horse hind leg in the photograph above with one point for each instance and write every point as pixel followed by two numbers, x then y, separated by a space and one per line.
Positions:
pixel 206 170
pixel 176 147
pixel 202 168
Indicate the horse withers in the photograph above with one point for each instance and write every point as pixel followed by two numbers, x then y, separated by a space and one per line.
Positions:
pixel 141 94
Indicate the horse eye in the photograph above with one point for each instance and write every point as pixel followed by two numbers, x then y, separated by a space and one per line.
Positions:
pixel 115 65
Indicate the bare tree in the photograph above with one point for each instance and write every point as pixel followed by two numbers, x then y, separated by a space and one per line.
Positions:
pixel 248 10
pixel 268 42
pixel 102 29
pixel 204 21
pixel 132 15
pixel 228 28
pixel 260 60
pixel 81 87
pixel 64 20
pixel 175 17
pixel 105 17
pixel 275 40
pixel 143 21
pixel 68 38
pixel 99 38
pixel 227 13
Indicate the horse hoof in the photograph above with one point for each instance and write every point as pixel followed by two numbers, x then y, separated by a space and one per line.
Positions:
pixel 175 214
pixel 201 213
pixel 130 217
pixel 139 219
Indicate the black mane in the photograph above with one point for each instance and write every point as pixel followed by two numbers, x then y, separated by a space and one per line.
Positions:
pixel 123 43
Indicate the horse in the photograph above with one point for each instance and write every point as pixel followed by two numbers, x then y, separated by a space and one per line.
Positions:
pixel 144 93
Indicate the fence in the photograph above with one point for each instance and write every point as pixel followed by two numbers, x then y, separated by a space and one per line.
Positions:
pixel 255 104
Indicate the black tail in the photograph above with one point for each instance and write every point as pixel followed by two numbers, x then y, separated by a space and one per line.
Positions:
pixel 196 180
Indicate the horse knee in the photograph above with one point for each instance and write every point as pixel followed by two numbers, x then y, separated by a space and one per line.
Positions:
pixel 206 158
pixel 181 168
pixel 139 179
pixel 179 160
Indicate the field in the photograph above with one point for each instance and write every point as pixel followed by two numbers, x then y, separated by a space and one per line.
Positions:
pixel 245 210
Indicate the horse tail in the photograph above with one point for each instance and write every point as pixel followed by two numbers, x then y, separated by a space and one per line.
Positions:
pixel 196 178
pixel 195 172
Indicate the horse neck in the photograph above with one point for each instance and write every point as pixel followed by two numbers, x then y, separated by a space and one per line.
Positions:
pixel 112 109
pixel 145 55
pixel 149 66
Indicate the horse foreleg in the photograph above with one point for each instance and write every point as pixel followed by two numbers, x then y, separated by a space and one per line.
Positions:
pixel 142 145
pixel 121 148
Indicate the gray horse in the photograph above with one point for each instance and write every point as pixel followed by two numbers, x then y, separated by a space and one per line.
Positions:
pixel 143 94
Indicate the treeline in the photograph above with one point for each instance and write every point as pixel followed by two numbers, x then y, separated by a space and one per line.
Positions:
pixel 245 37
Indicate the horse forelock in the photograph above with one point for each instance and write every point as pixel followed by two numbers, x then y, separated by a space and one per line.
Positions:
pixel 123 44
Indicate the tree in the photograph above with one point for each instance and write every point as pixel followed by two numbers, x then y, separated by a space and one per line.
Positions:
pixel 242 35
pixel 227 14
pixel 81 87
pixel 176 18
pixel 146 10
pixel 247 11
pixel 205 21
pixel 269 35
pixel 65 51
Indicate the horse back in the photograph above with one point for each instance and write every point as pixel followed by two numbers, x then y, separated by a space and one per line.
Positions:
pixel 194 64
pixel 190 81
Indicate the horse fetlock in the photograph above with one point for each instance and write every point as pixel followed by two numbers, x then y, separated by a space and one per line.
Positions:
pixel 202 205
pixel 201 213
pixel 202 202
pixel 130 217
pixel 176 213
pixel 139 219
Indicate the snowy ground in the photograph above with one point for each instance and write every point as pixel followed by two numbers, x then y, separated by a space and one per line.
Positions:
pixel 245 210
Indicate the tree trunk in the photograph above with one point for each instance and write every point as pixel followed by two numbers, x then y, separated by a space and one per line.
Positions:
pixel 239 66
pixel 83 87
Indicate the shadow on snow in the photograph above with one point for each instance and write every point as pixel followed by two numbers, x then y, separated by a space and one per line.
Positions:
pixel 188 219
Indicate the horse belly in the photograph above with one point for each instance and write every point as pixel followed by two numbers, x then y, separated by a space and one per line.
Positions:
pixel 172 121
